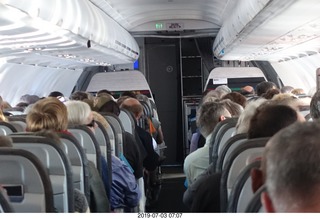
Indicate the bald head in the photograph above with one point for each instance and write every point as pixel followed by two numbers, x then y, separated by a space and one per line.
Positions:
pixel 133 105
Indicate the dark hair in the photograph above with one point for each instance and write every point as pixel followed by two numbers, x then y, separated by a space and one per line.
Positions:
pixel 237 98
pixel 129 94
pixel 264 86
pixel 56 94
pixel 269 119
pixel 110 106
pixel 270 93
pixel 315 105
pixel 103 91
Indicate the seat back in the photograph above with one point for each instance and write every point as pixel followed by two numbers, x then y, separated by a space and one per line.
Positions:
pixel 5 205
pixel 115 122
pixel 20 126
pixel 55 160
pixel 241 192
pixel 255 205
pixel 7 128
pixel 127 121
pixel 25 171
pixel 103 140
pixel 219 137
pixel 88 142
pixel 79 163
pixel 246 152
pixel 229 146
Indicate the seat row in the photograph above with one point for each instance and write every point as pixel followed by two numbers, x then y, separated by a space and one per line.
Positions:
pixel 67 168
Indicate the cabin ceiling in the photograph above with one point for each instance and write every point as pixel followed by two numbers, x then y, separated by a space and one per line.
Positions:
pixel 168 16
pixel 78 33
pixel 273 30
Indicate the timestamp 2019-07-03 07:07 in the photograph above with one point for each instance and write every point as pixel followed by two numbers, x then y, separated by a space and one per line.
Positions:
pixel 159 215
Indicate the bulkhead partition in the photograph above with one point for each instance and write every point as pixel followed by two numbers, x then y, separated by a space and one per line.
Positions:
pixel 25 172
pixel 55 160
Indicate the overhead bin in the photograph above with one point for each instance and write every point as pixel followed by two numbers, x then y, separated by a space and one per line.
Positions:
pixel 62 33
pixel 270 30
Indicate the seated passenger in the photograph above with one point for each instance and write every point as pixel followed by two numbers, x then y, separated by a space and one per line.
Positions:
pixel 264 86
pixel 267 120
pixel 51 114
pixel 291 169
pixel 131 150
pixel 237 98
pixel 151 161
pixel 124 191
pixel 315 106
pixel 208 116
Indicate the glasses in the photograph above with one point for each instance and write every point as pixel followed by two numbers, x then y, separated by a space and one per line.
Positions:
pixel 91 124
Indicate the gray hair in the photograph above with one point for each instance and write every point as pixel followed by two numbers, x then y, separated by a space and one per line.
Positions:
pixel 245 117
pixel 292 167
pixel 78 112
pixel 208 116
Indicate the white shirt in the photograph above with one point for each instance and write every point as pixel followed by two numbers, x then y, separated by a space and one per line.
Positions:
pixel 197 162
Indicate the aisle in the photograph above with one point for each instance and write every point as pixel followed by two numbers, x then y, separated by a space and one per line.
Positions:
pixel 171 191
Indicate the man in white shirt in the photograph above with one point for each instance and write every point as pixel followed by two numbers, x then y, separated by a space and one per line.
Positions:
pixel 209 115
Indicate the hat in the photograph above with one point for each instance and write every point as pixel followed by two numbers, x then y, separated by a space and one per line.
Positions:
pixel 100 101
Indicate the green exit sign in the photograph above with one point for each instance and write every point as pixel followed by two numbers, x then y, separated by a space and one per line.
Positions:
pixel 159 26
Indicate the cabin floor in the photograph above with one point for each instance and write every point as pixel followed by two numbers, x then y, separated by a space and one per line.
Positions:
pixel 168 195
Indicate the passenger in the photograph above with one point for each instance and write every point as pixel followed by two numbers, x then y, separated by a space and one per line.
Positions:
pixel 270 118
pixel 153 123
pixel 315 106
pixel 80 201
pixel 203 195
pixel 286 89
pixel 224 88
pixel 213 95
pixel 298 91
pixel 237 98
pixel 51 114
pixel 104 92
pixel 264 86
pixel 208 116
pixel 270 93
pixel 121 99
pixel 79 95
pixel 101 101
pixel 247 91
pixel 58 95
pixel 124 192
pixel 152 160
pixel 291 169
pixel 129 94
pixel 234 108
pixel 243 122
pixel 131 150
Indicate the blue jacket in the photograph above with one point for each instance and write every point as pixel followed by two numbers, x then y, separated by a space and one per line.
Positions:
pixel 124 191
